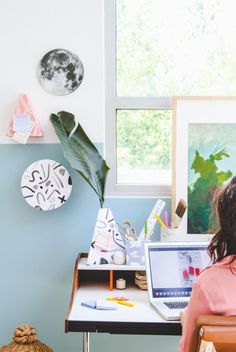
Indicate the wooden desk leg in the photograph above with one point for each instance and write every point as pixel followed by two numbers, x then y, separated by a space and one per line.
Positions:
pixel 85 341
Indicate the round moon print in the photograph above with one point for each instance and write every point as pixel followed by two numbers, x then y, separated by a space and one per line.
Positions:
pixel 46 184
pixel 60 72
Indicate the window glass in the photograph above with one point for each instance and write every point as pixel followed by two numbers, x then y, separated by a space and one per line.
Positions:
pixel 143 146
pixel 167 47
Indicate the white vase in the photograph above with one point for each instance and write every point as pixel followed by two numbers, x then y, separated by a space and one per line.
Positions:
pixel 106 239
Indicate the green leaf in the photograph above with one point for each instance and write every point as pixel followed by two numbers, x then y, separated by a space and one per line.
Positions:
pixel 221 154
pixel 200 216
pixel 223 176
pixel 81 153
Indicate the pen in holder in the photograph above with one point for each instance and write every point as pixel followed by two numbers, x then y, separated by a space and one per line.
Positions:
pixel 134 244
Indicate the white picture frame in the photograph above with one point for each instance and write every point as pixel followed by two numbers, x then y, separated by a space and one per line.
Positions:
pixel 196 113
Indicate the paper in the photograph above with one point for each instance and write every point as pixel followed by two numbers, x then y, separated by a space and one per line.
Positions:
pixel 106 305
pixel 100 305
pixel 22 137
pixel 89 304
pixel 21 123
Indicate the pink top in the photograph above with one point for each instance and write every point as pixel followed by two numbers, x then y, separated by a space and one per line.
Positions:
pixel 214 292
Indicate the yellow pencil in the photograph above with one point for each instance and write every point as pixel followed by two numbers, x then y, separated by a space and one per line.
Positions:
pixel 128 304
pixel 111 299
pixel 124 303
pixel 160 221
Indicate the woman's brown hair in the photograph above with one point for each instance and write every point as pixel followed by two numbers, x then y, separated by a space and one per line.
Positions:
pixel 224 241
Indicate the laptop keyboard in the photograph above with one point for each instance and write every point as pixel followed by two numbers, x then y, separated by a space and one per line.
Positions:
pixel 176 305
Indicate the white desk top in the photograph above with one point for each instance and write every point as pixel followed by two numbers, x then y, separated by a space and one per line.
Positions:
pixel 82 265
pixel 141 312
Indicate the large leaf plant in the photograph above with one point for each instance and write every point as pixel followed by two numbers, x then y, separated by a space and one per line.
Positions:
pixel 81 153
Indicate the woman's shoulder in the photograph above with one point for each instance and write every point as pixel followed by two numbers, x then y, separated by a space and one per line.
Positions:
pixel 225 263
pixel 229 261
pixel 218 269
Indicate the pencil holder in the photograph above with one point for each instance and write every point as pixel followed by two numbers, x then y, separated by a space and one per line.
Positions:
pixel 135 252
pixel 169 235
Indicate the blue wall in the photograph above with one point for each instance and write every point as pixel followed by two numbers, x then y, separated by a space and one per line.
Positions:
pixel 38 251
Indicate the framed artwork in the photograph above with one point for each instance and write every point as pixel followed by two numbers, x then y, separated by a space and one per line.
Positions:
pixel 204 157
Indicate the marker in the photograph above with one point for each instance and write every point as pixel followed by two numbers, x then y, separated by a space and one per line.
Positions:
pixel 160 222
pixel 145 229
pixel 166 218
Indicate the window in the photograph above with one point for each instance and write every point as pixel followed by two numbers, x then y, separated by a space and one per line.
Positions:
pixel 143 146
pixel 156 49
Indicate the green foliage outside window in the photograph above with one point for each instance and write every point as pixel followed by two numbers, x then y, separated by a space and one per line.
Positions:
pixel 144 139
pixel 167 47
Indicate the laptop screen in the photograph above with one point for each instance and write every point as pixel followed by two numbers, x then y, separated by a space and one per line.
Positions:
pixel 173 269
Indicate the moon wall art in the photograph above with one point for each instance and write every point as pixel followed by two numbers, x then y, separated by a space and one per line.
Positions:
pixel 46 184
pixel 60 72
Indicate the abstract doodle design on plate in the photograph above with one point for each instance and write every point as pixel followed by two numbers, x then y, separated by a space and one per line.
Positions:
pixel 46 184
pixel 60 72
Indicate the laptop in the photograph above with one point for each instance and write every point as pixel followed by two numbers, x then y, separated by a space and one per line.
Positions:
pixel 172 268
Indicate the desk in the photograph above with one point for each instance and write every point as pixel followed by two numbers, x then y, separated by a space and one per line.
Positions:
pixel 141 319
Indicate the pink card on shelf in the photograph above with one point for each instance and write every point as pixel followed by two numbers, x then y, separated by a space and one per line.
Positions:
pixel 23 109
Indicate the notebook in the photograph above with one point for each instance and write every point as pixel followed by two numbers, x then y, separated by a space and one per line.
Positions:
pixel 172 267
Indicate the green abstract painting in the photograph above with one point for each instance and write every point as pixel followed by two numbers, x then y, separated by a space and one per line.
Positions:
pixel 211 162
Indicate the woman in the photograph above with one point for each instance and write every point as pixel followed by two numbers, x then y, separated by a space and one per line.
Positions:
pixel 214 291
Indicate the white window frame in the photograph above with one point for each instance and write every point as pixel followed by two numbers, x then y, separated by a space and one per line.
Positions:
pixel 113 103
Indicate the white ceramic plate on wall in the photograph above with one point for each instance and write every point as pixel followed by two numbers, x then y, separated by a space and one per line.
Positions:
pixel 46 184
